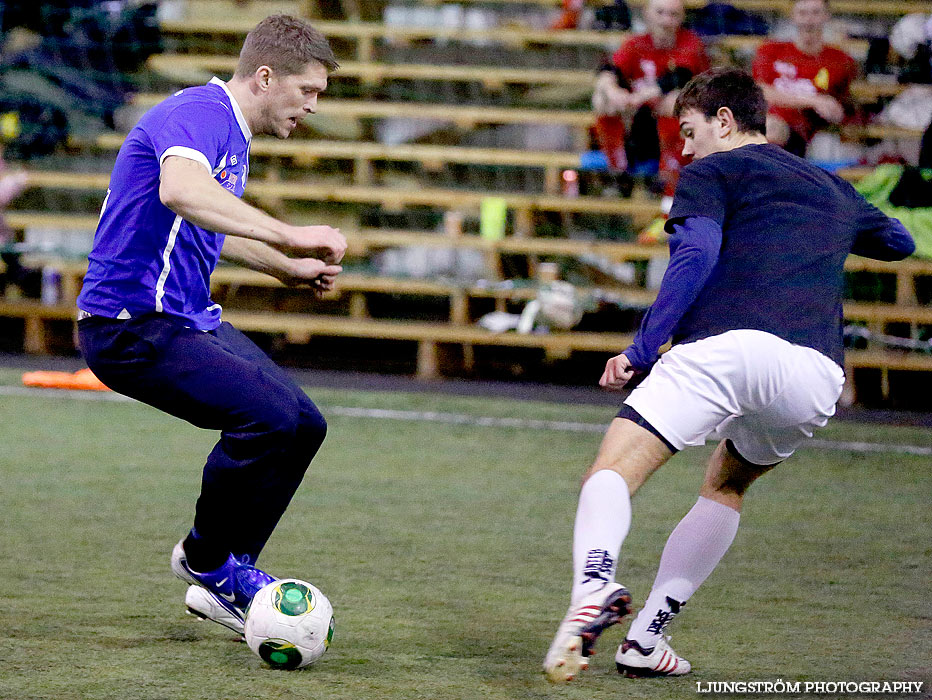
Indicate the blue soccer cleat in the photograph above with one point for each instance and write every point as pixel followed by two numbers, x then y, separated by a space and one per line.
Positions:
pixel 204 605
pixel 224 593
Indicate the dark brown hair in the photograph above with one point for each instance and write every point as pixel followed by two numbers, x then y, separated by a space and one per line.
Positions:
pixel 725 87
pixel 285 44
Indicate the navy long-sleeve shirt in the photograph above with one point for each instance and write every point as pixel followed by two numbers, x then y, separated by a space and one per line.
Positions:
pixel 759 239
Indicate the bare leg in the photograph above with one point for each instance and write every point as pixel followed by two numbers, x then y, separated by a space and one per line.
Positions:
pixel 728 476
pixel 632 451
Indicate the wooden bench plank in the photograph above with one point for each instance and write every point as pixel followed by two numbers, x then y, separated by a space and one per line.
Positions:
pixel 20 220
pixel 427 335
pixel 879 131
pixel 231 275
pixel 422 330
pixel 360 31
pixel 476 114
pixel 169 64
pixel 463 117
pixel 32 308
pixel 365 239
pixel 888 313
pixel 472 114
pixel 641 210
pixel 226 275
pixel 189 65
pixel 466 117
pixel 507 35
pixel 887 360
pixel 66 180
pixel 351 150
pixel 915 266
pixel 432 155
pixel 251 11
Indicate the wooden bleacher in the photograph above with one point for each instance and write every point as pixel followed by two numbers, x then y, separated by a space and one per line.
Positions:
pixel 363 154
pixel 642 210
pixel 186 68
pixel 366 34
pixel 430 339
pixel 366 240
pixel 467 116
pixel 463 116
pixel 194 67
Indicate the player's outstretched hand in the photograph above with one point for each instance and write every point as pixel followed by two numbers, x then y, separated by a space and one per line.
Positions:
pixel 322 242
pixel 618 372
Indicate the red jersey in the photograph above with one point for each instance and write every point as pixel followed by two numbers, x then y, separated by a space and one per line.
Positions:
pixel 641 63
pixel 786 68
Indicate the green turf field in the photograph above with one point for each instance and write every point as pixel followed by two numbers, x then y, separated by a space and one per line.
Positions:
pixel 445 550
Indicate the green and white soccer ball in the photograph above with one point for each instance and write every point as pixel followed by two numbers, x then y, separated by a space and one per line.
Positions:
pixel 289 623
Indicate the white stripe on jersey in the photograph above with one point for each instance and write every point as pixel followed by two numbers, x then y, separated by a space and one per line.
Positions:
pixel 185 152
pixel 223 164
pixel 166 264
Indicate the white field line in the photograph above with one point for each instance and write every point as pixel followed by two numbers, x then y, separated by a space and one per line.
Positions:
pixel 471 420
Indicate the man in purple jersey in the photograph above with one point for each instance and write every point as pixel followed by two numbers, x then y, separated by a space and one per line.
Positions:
pixel 752 300
pixel 149 329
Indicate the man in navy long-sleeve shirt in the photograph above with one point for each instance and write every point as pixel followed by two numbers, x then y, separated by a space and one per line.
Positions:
pixel 752 300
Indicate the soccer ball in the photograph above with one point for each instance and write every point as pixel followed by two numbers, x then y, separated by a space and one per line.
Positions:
pixel 289 623
pixel 560 307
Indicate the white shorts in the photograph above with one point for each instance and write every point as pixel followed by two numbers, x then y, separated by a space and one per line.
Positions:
pixel 763 393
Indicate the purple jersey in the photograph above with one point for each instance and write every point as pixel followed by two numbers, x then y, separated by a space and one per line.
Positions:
pixel 145 257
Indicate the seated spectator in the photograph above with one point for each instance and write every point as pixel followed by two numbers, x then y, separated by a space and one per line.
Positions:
pixel 634 94
pixel 806 82
pixel 569 17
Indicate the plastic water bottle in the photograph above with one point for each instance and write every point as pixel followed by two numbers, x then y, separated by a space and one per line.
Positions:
pixel 51 285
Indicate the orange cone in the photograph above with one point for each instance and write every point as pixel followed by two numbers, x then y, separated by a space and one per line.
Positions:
pixel 83 380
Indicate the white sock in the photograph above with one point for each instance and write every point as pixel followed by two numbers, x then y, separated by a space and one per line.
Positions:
pixel 693 550
pixel 602 522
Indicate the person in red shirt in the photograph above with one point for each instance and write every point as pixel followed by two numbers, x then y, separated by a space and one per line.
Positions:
pixel 569 18
pixel 806 82
pixel 637 90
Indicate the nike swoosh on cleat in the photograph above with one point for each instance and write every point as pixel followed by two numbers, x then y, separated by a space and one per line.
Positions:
pixel 228 597
pixel 227 605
